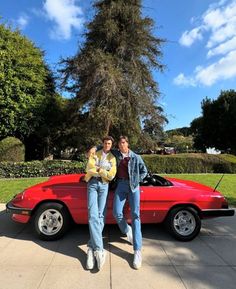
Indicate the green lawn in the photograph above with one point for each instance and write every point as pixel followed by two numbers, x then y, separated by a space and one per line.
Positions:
pixel 10 187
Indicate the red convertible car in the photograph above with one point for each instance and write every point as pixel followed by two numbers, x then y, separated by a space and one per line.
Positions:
pixel 55 203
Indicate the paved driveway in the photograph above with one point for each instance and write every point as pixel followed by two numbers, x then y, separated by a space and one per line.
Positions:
pixel 209 261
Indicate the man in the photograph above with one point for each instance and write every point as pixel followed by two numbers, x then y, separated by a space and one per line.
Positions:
pixel 101 168
pixel 131 170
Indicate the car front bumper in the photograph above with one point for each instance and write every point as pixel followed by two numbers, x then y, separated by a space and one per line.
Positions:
pixel 17 210
pixel 211 213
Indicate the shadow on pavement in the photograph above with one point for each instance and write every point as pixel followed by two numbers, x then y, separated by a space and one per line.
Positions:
pixel 206 262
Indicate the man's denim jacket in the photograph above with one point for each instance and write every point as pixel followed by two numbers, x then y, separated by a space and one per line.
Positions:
pixel 136 167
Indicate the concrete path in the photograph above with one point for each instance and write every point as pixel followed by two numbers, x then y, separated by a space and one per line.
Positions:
pixel 207 262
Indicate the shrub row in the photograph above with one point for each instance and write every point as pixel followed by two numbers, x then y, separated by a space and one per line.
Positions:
pixel 39 168
pixel 180 163
pixel 189 163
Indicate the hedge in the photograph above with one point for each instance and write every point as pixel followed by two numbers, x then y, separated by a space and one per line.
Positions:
pixel 39 168
pixel 190 163
pixel 179 163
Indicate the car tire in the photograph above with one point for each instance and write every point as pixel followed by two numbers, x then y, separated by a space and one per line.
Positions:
pixel 183 223
pixel 51 221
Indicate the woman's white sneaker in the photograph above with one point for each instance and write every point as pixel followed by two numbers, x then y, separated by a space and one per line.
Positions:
pixel 137 263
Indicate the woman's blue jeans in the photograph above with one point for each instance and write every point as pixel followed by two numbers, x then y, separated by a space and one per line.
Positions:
pixel 97 192
pixel 123 191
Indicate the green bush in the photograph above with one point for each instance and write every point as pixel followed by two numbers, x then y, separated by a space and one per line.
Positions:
pixel 179 163
pixel 12 149
pixel 189 163
pixel 39 168
pixel 229 158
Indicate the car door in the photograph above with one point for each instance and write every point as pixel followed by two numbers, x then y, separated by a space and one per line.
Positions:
pixel 155 203
pixel 126 211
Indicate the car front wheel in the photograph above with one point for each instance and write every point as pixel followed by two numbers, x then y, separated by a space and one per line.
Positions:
pixel 51 221
pixel 183 223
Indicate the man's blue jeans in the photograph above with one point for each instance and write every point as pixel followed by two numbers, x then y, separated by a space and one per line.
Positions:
pixel 97 199
pixel 123 191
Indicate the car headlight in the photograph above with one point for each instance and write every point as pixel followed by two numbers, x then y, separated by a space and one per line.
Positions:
pixel 19 197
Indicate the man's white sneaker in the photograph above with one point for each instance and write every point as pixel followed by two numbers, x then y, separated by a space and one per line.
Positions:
pixel 137 259
pixel 130 235
pixel 90 259
pixel 100 257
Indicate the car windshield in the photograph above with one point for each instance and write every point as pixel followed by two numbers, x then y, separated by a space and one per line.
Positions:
pixel 155 180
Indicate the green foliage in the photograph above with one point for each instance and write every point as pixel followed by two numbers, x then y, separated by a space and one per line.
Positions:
pixel 111 74
pixel 180 163
pixel 217 126
pixel 196 127
pixel 29 107
pixel 39 168
pixel 12 149
pixel 189 163
pixel 185 131
pixel 23 76
pixel 179 142
pixel 229 158
pixel 49 136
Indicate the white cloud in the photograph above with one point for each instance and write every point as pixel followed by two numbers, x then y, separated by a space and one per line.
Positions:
pixel 223 48
pixel 222 34
pixel 22 21
pixel 213 19
pixel 218 28
pixel 189 37
pixel 219 70
pixel 219 20
pixel 182 80
pixel 66 16
pixel 223 69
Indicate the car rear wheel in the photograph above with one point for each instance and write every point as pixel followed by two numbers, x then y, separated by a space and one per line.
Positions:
pixel 51 221
pixel 183 223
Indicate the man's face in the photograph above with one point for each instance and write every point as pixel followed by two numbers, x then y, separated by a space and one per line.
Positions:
pixel 107 144
pixel 123 145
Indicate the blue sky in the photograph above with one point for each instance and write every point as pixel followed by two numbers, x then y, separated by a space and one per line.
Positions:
pixel 200 52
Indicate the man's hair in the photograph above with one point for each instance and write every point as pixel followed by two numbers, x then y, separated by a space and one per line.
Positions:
pixel 123 137
pixel 108 138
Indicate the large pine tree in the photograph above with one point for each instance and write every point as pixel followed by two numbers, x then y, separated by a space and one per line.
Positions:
pixel 111 75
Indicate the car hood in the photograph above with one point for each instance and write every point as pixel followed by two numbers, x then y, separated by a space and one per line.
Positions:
pixel 65 178
pixel 55 180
